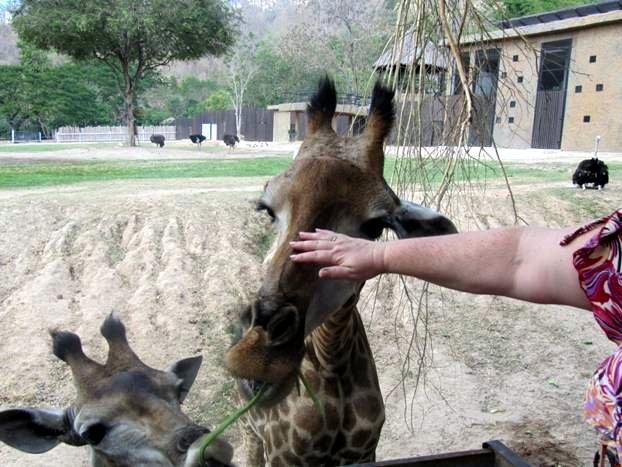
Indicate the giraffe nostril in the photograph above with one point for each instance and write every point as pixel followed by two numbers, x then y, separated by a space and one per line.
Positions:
pixel 246 315
pixel 283 326
pixel 189 436
pixel 94 434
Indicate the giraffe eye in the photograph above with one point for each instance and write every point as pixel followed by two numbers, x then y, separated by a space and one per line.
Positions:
pixel 261 206
pixel 373 228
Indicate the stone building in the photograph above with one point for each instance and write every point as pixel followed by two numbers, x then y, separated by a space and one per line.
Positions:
pixel 551 80
pixel 290 118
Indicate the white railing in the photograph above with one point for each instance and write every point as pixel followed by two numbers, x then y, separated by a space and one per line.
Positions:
pixel 109 134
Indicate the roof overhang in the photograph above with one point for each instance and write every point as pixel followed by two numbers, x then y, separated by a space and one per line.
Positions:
pixel 344 109
pixel 563 25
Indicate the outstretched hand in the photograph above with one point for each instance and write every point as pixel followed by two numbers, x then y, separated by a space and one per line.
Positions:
pixel 343 257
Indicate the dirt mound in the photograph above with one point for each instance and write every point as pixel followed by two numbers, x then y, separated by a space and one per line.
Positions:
pixel 175 258
pixel 172 263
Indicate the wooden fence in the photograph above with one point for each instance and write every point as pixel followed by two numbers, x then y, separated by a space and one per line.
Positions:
pixel 112 134
pixel 256 125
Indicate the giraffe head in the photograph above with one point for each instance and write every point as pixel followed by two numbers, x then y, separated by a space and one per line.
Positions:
pixel 127 412
pixel 335 183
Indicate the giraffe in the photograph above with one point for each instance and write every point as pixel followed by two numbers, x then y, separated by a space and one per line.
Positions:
pixel 298 323
pixel 128 413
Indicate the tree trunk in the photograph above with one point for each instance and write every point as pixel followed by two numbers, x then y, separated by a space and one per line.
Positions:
pixel 238 120
pixel 129 115
pixel 238 114
pixel 129 106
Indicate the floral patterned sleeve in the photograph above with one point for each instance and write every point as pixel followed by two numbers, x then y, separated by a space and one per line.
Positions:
pixel 598 264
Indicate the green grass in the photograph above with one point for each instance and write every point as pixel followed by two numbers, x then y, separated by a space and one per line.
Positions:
pixel 59 173
pixel 50 147
pixel 588 203
pixel 474 170
pixel 206 148
pixel 45 174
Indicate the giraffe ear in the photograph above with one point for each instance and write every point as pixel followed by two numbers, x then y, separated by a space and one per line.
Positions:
pixel 329 296
pixel 413 220
pixel 186 370
pixel 322 106
pixel 34 431
pixel 379 124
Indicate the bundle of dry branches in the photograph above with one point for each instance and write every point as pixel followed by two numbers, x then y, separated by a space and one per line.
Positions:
pixel 443 146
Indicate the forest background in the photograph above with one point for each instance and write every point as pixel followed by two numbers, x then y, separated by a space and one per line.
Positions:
pixel 282 48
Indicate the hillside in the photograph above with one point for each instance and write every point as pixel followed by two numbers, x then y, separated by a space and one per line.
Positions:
pixel 9 53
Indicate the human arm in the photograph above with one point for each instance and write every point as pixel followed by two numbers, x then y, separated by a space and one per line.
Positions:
pixel 525 263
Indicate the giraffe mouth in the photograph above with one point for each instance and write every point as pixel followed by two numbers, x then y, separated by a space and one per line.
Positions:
pixel 273 392
pixel 254 386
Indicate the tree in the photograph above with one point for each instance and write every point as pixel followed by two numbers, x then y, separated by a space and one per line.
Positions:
pixel 37 93
pixel 132 38
pixel 61 95
pixel 513 8
pixel 307 39
pixel 353 32
pixel 218 100
pixel 241 67
pixel 193 92
pixel 275 76
pixel 175 98
pixel 11 96
pixel 9 52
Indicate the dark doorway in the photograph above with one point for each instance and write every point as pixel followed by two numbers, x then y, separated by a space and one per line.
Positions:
pixel 485 79
pixel 551 95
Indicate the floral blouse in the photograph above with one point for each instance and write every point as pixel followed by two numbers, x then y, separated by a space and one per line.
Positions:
pixel 598 264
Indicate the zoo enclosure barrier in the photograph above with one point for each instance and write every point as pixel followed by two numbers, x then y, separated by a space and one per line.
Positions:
pixel 349 98
pixel 109 134
pixel 257 124
pixel 24 136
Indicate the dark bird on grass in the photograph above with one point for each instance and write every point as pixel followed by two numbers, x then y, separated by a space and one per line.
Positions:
pixel 197 139
pixel 230 140
pixel 592 172
pixel 158 140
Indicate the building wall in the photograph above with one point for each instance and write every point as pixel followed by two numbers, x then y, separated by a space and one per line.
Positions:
pixel 515 99
pixel 281 127
pixel 341 123
pixel 604 108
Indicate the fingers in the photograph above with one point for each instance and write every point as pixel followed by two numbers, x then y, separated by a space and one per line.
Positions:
pixel 319 234
pixel 317 256
pixel 335 272
pixel 311 245
pixel 318 240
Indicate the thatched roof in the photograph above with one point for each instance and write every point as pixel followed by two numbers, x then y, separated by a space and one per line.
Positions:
pixel 432 55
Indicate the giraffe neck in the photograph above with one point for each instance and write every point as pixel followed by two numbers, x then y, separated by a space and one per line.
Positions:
pixel 340 369
pixel 330 346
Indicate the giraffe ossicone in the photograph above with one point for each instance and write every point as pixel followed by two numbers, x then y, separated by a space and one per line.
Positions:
pixel 298 323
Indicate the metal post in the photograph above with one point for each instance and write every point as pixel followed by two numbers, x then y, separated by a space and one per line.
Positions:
pixel 12 136
pixel 596 148
pixel 39 136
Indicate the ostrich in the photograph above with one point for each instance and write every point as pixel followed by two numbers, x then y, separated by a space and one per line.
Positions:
pixel 197 139
pixel 158 140
pixel 591 171
pixel 230 140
